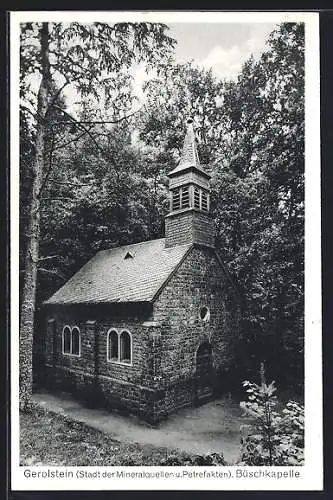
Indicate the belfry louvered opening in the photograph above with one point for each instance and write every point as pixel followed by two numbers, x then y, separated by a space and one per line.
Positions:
pixel 196 198
pixel 204 201
pixel 181 198
pixel 185 197
pixel 189 197
pixel 176 199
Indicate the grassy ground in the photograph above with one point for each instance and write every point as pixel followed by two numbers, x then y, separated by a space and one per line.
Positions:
pixel 50 439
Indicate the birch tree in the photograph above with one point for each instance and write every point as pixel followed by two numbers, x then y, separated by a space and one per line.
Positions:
pixel 88 58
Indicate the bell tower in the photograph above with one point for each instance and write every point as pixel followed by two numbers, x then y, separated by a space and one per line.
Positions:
pixel 189 219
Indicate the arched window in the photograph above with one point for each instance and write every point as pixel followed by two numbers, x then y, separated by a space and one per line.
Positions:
pixel 66 340
pixel 71 341
pixel 76 340
pixel 113 351
pixel 204 313
pixel 125 347
pixel 119 347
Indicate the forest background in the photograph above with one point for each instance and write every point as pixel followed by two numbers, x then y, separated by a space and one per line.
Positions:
pixel 96 178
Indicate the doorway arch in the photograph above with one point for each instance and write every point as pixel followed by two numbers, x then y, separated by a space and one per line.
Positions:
pixel 203 372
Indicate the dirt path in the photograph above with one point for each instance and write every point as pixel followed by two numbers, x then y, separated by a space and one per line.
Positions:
pixel 213 427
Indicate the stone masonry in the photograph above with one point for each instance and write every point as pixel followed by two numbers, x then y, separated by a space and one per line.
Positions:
pixel 165 338
pixel 174 298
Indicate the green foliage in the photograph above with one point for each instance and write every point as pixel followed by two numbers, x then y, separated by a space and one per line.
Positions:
pixel 92 204
pixel 274 438
pixel 180 90
pixel 89 54
pixel 259 193
pixel 106 185
pixel 88 195
pixel 251 134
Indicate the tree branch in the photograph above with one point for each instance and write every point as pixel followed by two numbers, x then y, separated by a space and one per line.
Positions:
pixel 74 120
pixel 98 122
pixel 49 257
pixel 66 183
pixel 35 114
pixel 56 95
pixel 51 271
pixel 59 198
pixel 70 142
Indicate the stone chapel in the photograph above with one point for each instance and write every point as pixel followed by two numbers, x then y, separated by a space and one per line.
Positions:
pixel 151 327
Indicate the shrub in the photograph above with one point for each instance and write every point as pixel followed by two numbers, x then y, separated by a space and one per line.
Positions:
pixel 209 459
pixel 273 438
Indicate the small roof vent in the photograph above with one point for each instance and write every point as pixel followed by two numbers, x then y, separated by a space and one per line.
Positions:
pixel 129 255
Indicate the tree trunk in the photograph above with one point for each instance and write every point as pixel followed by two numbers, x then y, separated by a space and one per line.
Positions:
pixel 33 231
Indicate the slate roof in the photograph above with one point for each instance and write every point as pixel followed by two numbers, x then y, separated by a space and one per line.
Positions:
pixel 109 277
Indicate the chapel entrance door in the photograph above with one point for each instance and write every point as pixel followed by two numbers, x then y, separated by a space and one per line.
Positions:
pixel 203 373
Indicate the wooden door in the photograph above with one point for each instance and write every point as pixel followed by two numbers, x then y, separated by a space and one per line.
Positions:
pixel 203 376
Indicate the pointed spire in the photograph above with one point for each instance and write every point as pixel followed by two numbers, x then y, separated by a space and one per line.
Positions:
pixel 189 156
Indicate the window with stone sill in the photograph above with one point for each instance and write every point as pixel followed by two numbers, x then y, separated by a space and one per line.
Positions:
pixel 119 347
pixel 71 341
pixel 112 348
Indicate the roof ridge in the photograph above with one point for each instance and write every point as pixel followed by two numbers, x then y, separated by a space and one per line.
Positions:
pixel 138 244
pixel 129 245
